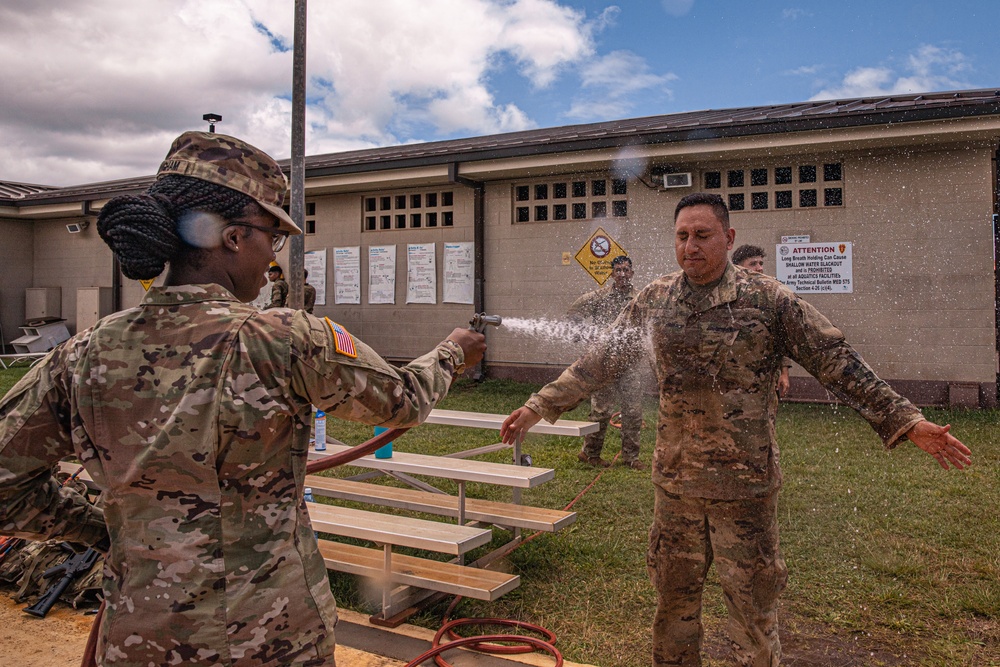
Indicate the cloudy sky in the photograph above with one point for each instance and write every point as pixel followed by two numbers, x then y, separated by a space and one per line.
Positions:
pixel 95 90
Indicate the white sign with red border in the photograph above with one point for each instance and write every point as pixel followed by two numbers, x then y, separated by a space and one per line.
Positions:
pixel 817 268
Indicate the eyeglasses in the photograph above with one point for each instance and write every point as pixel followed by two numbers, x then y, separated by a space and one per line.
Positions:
pixel 278 236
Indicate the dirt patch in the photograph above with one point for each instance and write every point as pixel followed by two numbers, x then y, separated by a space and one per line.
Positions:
pixel 58 639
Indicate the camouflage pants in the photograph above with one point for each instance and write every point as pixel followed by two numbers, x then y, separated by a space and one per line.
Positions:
pixel 626 392
pixel 741 536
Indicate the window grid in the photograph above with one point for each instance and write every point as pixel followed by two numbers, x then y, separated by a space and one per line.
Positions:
pixel 571 198
pixel 413 210
pixel 783 187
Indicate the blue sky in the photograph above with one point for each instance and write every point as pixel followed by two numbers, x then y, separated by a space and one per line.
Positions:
pixel 96 90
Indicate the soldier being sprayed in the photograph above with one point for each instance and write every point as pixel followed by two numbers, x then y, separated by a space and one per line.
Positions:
pixel 192 412
pixel 718 337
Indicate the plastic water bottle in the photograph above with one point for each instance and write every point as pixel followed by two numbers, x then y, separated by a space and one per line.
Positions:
pixel 320 431
pixel 385 451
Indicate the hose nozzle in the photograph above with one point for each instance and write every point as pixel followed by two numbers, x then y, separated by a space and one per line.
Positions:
pixel 480 321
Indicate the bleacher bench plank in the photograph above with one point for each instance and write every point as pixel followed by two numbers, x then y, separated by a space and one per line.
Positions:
pixel 566 427
pixel 411 571
pixel 447 538
pixel 468 470
pixel 505 514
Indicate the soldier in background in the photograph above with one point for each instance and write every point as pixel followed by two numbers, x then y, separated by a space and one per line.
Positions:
pixel 308 294
pixel 192 412
pixel 751 258
pixel 601 307
pixel 718 334
pixel 279 288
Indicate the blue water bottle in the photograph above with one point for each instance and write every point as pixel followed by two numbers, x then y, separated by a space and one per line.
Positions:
pixel 320 431
pixel 385 451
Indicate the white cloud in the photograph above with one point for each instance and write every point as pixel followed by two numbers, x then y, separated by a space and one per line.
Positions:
pixel 929 68
pixel 794 13
pixel 95 90
pixel 610 83
pixel 805 70
pixel 677 7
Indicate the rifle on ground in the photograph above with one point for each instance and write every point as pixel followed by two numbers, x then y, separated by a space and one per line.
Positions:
pixel 73 567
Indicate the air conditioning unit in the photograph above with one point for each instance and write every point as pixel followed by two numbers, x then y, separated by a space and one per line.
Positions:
pixel 677 180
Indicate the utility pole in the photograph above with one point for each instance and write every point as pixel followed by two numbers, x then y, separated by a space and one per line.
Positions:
pixel 297 204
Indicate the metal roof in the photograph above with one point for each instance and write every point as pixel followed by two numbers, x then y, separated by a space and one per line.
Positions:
pixel 678 127
pixel 11 190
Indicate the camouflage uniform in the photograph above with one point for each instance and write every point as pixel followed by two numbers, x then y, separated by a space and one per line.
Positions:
pixel 602 306
pixel 717 357
pixel 192 411
pixel 308 297
pixel 279 294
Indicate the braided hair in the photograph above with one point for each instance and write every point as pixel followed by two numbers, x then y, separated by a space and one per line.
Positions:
pixel 142 230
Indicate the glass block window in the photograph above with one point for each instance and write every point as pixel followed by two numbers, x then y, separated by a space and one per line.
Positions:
pixel 570 198
pixel 779 188
pixel 409 210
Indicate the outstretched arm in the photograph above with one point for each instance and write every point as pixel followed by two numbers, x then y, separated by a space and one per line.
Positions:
pixel 939 443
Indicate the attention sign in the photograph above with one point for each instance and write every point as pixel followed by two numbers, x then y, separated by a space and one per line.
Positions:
pixel 816 267
pixel 596 254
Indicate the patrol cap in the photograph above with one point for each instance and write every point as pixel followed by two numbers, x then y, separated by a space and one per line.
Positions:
pixel 231 163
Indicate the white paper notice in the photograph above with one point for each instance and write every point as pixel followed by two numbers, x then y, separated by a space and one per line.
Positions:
pixel 347 275
pixel 382 274
pixel 421 273
pixel 816 267
pixel 458 272
pixel 315 264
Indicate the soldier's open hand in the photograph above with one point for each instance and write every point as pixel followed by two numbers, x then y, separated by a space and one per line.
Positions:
pixel 517 424
pixel 939 443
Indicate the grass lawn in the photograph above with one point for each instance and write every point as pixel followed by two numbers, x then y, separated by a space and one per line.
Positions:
pixel 892 561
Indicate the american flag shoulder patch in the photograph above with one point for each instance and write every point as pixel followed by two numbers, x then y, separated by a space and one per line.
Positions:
pixel 341 339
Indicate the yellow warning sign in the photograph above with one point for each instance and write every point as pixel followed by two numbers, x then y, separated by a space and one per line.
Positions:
pixel 146 284
pixel 596 254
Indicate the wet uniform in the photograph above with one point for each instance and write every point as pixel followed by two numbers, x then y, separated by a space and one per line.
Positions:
pixel 602 306
pixel 717 353
pixel 192 411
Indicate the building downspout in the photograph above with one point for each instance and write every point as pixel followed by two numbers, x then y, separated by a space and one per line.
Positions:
pixel 116 269
pixel 479 253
